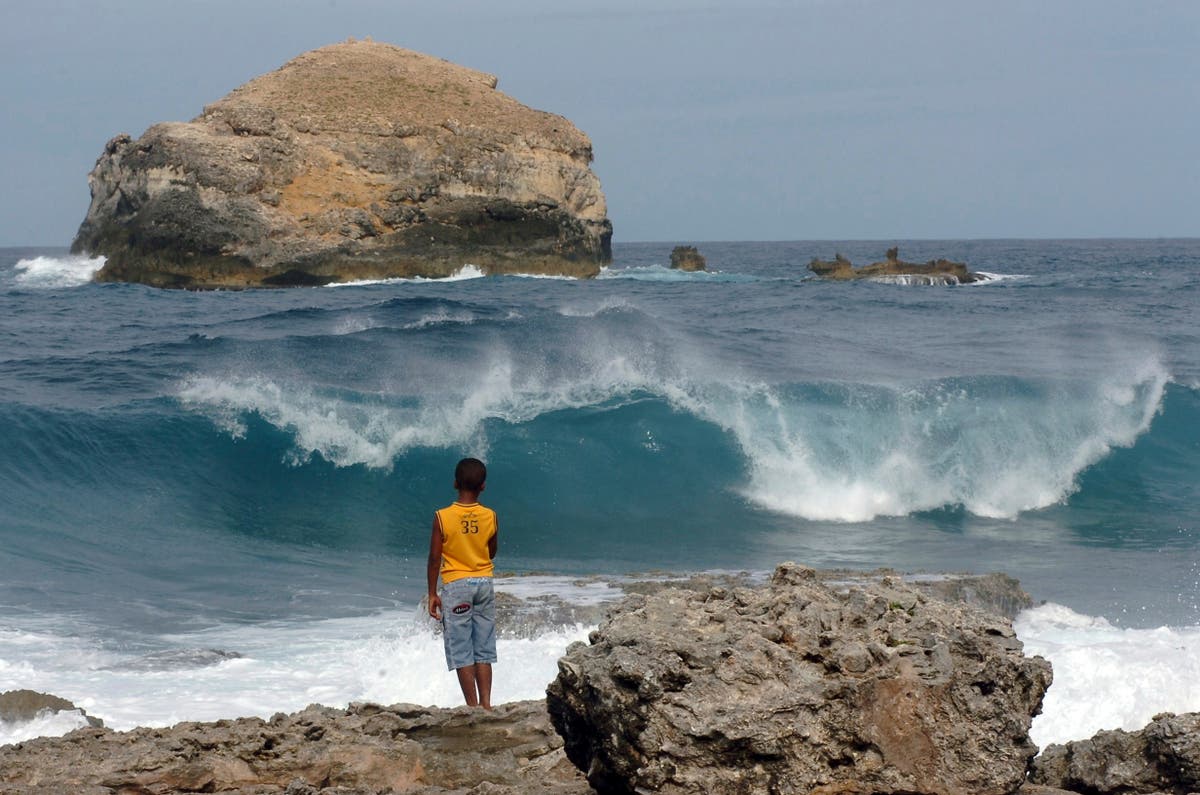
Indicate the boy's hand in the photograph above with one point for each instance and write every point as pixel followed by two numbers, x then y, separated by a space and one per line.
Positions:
pixel 435 606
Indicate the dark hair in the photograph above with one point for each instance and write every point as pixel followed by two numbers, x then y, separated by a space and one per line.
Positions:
pixel 470 474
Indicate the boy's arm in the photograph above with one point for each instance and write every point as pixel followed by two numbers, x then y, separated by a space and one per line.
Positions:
pixel 492 545
pixel 434 567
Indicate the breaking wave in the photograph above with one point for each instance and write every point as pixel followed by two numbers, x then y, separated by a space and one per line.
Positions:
pixel 57 272
pixel 996 446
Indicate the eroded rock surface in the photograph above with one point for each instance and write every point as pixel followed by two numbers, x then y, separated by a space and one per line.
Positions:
pixel 364 749
pixel 936 271
pixel 800 687
pixel 1162 757
pixel 357 160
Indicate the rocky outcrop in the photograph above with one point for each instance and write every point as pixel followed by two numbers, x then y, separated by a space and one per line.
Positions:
pixel 688 258
pixel 800 687
pixel 17 706
pixel 936 271
pixel 1164 757
pixel 364 749
pixel 357 160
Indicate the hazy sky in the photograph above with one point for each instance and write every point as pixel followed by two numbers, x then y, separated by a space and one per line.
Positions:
pixel 807 119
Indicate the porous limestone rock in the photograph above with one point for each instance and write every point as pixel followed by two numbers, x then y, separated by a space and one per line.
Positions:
pixel 356 160
pixel 936 271
pixel 800 686
pixel 688 258
pixel 364 749
pixel 1163 757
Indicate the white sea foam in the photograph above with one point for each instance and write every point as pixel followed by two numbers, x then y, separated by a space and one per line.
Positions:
pixel 890 452
pixel 922 279
pixel 593 308
pixel 464 273
pixel 918 279
pixel 388 658
pixel 658 273
pixel 996 278
pixel 1107 677
pixel 439 318
pixel 551 276
pixel 45 724
pixel 1104 676
pixel 57 272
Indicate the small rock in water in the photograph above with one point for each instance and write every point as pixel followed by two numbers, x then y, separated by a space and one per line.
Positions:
pixel 18 706
pixel 688 258
pixel 176 659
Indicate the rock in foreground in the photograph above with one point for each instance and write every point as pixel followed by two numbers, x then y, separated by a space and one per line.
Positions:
pixel 936 271
pixel 364 749
pixel 800 687
pixel 1163 757
pixel 357 160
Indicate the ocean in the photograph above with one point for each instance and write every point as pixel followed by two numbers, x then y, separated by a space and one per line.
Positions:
pixel 217 504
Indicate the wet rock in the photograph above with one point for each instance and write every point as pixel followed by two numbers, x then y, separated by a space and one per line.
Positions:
pixel 800 686
pixel 357 160
pixel 1162 757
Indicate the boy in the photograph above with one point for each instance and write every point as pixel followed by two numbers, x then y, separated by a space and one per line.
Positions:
pixel 461 550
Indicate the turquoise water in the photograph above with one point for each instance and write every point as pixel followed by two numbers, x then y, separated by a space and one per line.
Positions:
pixel 172 459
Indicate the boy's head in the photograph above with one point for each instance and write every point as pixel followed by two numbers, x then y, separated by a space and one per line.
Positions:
pixel 469 475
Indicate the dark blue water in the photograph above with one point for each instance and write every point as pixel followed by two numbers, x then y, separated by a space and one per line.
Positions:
pixel 173 460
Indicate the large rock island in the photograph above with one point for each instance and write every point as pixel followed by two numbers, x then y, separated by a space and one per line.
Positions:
pixel 356 160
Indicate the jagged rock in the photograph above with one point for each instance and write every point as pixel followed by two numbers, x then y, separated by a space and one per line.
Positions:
pixel 1162 757
pixel 800 687
pixel 356 160
pixel 366 748
pixel 936 271
pixel 688 258
pixel 25 705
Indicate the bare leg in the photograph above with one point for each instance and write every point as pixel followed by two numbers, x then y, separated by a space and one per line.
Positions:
pixel 483 680
pixel 466 680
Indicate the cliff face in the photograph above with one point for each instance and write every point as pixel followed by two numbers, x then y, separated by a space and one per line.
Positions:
pixel 357 160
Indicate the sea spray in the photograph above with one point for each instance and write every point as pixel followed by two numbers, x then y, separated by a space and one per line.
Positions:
pixel 1108 677
pixel 57 272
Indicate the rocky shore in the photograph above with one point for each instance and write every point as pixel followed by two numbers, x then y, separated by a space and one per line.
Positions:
pixel 358 160
pixel 892 268
pixel 810 682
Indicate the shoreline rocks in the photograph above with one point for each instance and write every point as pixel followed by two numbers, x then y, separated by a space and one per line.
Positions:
pixel 800 687
pixel 358 160
pixel 365 748
pixel 822 682
pixel 937 271
pixel 1163 757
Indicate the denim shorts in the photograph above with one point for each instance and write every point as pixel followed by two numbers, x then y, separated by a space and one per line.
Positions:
pixel 469 622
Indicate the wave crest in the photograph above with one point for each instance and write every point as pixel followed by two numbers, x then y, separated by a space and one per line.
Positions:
pixel 996 446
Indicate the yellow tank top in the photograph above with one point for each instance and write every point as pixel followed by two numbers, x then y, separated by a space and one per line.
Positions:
pixel 466 530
